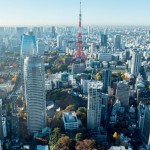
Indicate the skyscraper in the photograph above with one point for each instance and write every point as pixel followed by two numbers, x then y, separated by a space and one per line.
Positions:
pixel 28 48
pixel 106 79
pixel 1 128
pixel 53 32
pixel 122 93
pixel 40 47
pixel 34 85
pixel 144 121
pixel 28 45
pixel 89 30
pixel 117 41
pixel 103 40
pixel 59 41
pixel 136 63
pixel 94 104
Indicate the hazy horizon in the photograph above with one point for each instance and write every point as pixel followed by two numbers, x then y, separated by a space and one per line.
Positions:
pixel 96 13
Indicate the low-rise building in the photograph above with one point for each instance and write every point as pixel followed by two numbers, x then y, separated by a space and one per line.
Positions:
pixel 78 68
pixel 105 56
pixel 70 120
pixel 48 85
pixel 5 88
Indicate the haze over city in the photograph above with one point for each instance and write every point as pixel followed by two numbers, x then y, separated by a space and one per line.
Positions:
pixel 74 75
pixel 58 12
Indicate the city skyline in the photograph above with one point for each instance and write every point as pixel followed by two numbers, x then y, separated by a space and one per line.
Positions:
pixel 49 12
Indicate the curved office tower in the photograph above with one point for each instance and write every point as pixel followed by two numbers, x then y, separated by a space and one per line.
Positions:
pixel 35 93
pixel 28 48
pixel 28 45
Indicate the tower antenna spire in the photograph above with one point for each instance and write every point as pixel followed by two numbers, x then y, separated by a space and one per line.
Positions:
pixel 80 6
pixel 79 52
pixel 80 15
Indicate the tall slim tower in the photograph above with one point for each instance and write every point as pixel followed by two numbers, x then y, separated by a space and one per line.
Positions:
pixel 34 84
pixel 104 40
pixel 136 63
pixel 28 48
pixel 79 52
pixel 94 104
pixel 117 41
pixel 106 78
pixel 53 32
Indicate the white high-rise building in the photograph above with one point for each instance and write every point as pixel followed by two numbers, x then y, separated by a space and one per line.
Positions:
pixel 59 41
pixel 89 30
pixel 94 104
pixel 136 63
pixel 84 85
pixel 34 84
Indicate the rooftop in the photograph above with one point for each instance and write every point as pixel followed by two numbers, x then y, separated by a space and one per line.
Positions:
pixel 95 84
pixel 70 117
pixel 140 85
pixel 122 84
pixel 42 147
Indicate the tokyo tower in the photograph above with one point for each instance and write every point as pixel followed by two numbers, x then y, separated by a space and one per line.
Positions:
pixel 79 52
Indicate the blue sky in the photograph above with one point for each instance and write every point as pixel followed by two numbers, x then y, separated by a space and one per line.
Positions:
pixel 65 12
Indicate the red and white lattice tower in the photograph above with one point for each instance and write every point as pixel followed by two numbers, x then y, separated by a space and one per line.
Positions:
pixel 79 52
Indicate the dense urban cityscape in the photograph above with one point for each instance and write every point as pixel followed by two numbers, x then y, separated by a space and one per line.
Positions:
pixel 75 87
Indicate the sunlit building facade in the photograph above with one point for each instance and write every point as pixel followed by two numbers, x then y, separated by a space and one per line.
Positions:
pixel 94 104
pixel 34 85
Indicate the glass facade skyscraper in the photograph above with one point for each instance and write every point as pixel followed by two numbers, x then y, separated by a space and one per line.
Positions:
pixel 103 40
pixel 106 78
pixel 28 45
pixel 136 63
pixel 117 42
